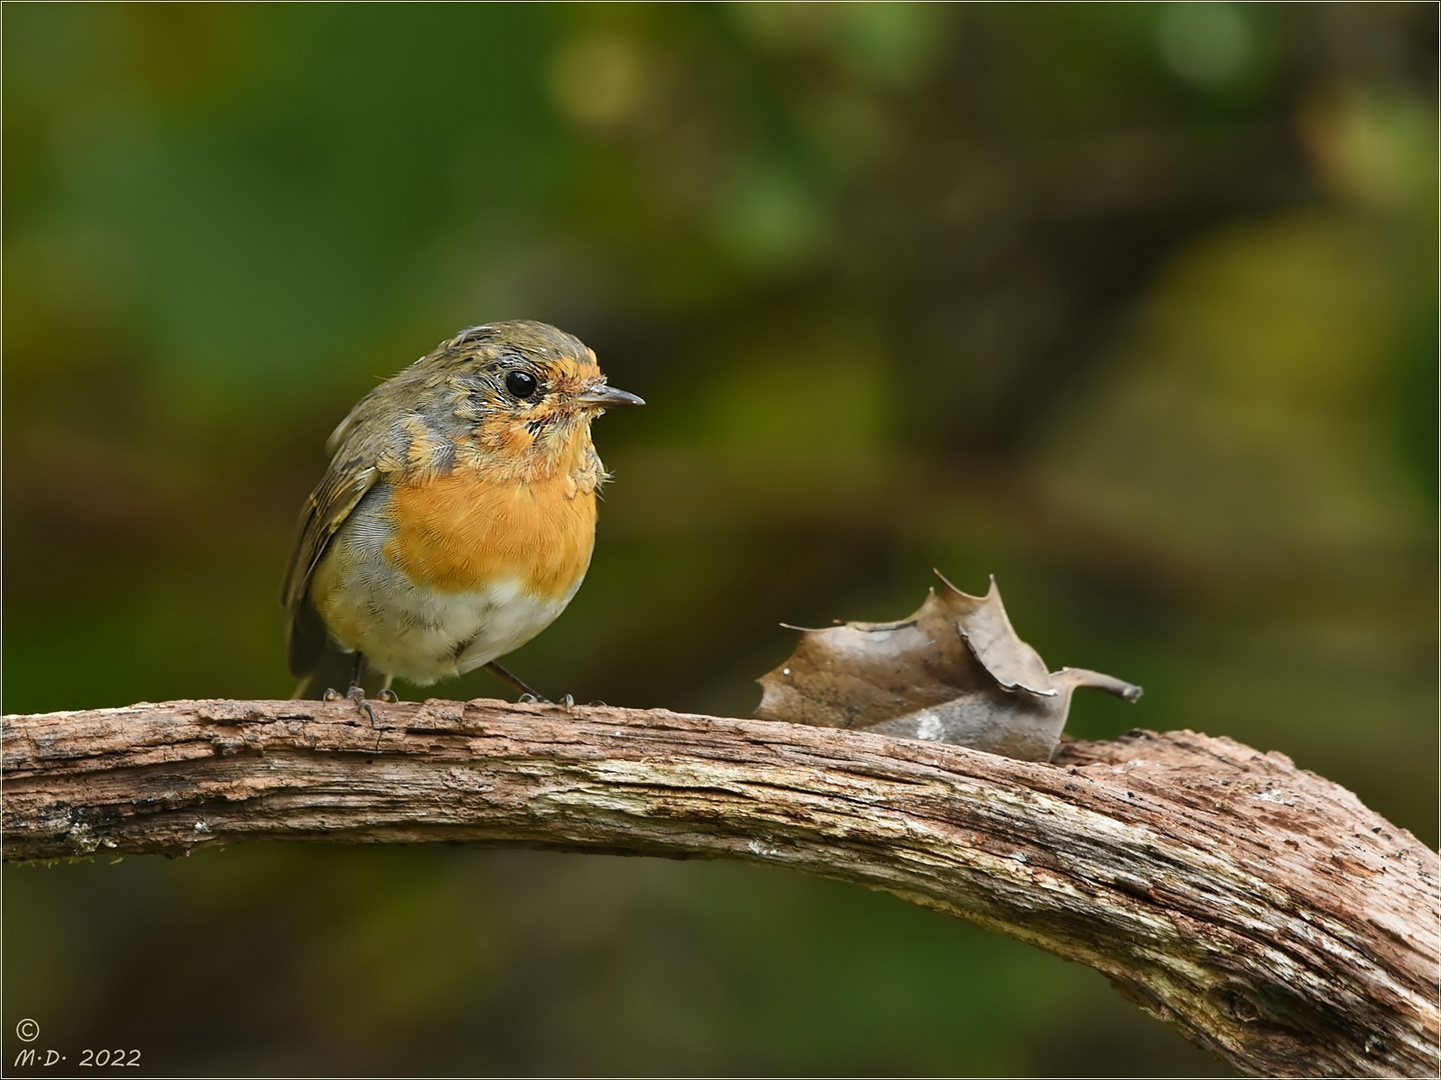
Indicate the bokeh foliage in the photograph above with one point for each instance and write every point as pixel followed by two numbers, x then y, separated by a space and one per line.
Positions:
pixel 1131 305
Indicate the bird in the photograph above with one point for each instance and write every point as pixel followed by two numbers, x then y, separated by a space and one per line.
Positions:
pixel 456 519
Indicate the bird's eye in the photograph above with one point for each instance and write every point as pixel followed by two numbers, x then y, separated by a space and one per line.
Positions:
pixel 521 384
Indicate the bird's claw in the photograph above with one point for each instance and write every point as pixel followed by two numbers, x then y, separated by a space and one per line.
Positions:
pixel 567 703
pixel 356 693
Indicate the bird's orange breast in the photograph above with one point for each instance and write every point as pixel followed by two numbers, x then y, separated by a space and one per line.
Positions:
pixel 469 529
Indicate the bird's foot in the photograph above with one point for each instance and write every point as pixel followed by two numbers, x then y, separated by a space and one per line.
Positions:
pixel 356 693
pixel 567 703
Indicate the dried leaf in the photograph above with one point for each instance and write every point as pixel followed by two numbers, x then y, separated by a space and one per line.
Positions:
pixel 956 671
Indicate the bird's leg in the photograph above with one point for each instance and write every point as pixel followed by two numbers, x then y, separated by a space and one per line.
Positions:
pixel 527 694
pixel 517 682
pixel 386 693
pixel 356 693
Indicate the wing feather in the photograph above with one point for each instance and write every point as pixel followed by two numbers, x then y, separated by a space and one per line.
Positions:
pixel 354 469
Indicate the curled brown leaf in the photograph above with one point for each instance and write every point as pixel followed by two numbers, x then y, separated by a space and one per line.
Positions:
pixel 956 671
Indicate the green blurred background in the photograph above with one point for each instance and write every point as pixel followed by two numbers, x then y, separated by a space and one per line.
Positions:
pixel 1133 306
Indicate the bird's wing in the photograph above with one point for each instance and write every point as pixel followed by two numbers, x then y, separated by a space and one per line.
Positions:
pixel 353 471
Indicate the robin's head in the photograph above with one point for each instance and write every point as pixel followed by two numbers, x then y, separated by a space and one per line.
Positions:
pixel 525 390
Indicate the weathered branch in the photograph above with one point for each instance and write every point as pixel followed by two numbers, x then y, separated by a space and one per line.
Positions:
pixel 1261 909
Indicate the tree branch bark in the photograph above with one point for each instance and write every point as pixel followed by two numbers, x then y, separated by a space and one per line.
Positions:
pixel 1261 909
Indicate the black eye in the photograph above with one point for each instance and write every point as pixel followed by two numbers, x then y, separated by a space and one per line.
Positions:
pixel 521 384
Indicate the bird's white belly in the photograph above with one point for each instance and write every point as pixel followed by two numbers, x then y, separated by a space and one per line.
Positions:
pixel 423 635
pixel 433 635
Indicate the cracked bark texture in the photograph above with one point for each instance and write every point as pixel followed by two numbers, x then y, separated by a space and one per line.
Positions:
pixel 1261 909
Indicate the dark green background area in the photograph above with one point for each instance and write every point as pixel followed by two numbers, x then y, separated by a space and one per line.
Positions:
pixel 1133 306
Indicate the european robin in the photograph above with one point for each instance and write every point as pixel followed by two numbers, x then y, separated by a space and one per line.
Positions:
pixel 457 517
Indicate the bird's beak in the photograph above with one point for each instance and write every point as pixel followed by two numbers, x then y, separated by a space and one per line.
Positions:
pixel 606 397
